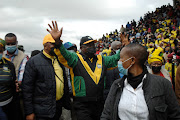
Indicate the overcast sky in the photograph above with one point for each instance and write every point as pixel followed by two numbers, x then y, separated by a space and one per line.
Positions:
pixel 28 19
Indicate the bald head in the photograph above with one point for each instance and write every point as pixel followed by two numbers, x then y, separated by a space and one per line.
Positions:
pixel 115 45
pixel 138 51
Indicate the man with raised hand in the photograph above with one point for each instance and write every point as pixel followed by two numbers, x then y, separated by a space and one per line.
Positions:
pixel 87 74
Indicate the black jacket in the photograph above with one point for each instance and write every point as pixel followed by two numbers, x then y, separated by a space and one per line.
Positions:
pixel 7 80
pixel 39 87
pixel 111 76
pixel 159 96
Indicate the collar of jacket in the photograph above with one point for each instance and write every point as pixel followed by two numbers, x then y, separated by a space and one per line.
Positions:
pixel 120 83
pixel 45 56
pixel 86 58
pixel 48 56
pixel 50 61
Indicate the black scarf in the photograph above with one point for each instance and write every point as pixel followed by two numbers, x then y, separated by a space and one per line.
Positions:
pixel 135 81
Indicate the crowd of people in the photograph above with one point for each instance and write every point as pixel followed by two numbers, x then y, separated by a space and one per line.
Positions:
pixel 133 73
pixel 159 33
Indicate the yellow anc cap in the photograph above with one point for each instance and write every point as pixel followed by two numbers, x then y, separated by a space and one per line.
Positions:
pixel 48 38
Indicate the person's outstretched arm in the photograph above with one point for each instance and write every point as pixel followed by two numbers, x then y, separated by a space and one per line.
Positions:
pixel 67 58
pixel 111 61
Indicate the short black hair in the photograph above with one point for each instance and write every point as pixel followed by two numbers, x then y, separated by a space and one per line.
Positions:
pixel 34 52
pixel 139 52
pixel 10 35
pixel 21 47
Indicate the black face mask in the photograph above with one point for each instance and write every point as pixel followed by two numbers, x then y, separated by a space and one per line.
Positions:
pixel 170 61
pixel 91 52
pixel 52 52
pixel 156 69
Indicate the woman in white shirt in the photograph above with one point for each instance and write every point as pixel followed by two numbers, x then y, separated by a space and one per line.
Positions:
pixel 139 95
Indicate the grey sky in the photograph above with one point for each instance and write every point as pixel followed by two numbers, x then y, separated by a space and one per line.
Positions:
pixel 28 19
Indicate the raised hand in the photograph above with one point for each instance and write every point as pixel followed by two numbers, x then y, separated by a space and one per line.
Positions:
pixel 55 33
pixel 124 39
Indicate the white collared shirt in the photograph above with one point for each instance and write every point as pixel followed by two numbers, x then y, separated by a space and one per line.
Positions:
pixel 132 105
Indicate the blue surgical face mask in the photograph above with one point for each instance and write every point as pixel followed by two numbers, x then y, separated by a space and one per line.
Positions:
pixel 1 56
pixel 122 69
pixel 175 64
pixel 117 51
pixel 11 48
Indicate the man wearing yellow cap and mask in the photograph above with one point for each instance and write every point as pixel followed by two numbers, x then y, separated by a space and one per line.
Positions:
pixel 155 61
pixel 45 86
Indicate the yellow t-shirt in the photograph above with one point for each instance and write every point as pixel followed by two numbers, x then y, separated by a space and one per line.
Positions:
pixel 174 34
pixel 168 67
pixel 107 36
pixel 159 36
pixel 166 40
pixel 157 42
pixel 107 52
pixel 168 21
pixel 59 80
pixel 164 24
pixel 162 29
pixel 144 29
pixel 157 30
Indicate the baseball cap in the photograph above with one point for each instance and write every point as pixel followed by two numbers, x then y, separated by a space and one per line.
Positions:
pixel 86 39
pixel 170 56
pixel 67 45
pixel 48 38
